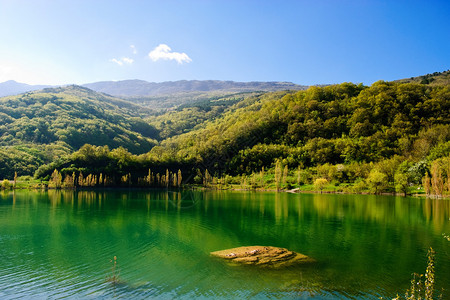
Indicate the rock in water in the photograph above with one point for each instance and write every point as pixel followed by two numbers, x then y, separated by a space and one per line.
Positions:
pixel 264 256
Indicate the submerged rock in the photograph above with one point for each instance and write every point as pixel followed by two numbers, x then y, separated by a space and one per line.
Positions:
pixel 265 256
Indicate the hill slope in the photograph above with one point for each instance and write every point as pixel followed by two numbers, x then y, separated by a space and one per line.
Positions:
pixel 436 78
pixel 335 124
pixel 64 119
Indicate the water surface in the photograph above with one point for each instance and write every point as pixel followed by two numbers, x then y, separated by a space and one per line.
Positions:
pixel 59 244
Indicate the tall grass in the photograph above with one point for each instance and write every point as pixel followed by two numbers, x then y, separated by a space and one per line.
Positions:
pixel 422 286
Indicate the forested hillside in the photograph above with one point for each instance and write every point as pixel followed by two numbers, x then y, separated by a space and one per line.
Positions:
pixel 335 124
pixel 188 116
pixel 380 135
pixel 38 127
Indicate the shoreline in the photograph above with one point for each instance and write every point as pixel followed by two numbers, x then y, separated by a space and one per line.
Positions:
pixel 43 187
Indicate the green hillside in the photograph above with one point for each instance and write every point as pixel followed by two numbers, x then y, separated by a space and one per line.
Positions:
pixel 334 124
pixel 38 127
pixel 383 136
pixel 192 114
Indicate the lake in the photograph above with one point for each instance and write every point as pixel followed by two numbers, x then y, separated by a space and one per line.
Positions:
pixel 61 244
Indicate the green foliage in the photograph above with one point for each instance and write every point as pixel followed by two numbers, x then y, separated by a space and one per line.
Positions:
pixel 377 181
pixel 320 183
pixel 403 178
pixel 6 184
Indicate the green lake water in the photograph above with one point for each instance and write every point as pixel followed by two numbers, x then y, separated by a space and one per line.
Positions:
pixel 59 244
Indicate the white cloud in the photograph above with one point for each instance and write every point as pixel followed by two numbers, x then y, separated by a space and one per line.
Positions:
pixel 122 61
pixel 164 52
pixel 127 60
pixel 119 62
pixel 133 49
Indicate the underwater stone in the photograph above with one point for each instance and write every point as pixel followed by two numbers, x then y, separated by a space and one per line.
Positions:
pixel 264 256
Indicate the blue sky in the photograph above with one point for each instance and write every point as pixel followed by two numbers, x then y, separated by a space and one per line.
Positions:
pixel 304 41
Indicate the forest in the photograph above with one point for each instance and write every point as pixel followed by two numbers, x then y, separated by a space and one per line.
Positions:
pixel 387 137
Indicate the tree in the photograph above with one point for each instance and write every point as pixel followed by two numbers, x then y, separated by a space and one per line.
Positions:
pixel 402 182
pixel 320 184
pixel 426 183
pixel 180 178
pixel 403 178
pixel 56 179
pixel 437 182
pixel 285 174
pixel 377 181
pixel 6 184
pixel 261 177
pixel 278 174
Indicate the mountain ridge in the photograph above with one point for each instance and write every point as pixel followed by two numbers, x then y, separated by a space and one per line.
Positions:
pixel 137 87
pixel 141 88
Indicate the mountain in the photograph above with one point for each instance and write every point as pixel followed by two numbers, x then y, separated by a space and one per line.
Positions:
pixel 134 88
pixel 141 88
pixel 12 87
pixel 173 94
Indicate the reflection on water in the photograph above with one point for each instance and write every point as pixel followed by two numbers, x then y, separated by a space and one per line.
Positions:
pixel 59 243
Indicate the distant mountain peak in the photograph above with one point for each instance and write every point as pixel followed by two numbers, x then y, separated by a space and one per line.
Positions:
pixel 12 87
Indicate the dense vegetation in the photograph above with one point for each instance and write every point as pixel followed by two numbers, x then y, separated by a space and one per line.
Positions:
pixel 380 138
pixel 337 124
pixel 187 116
